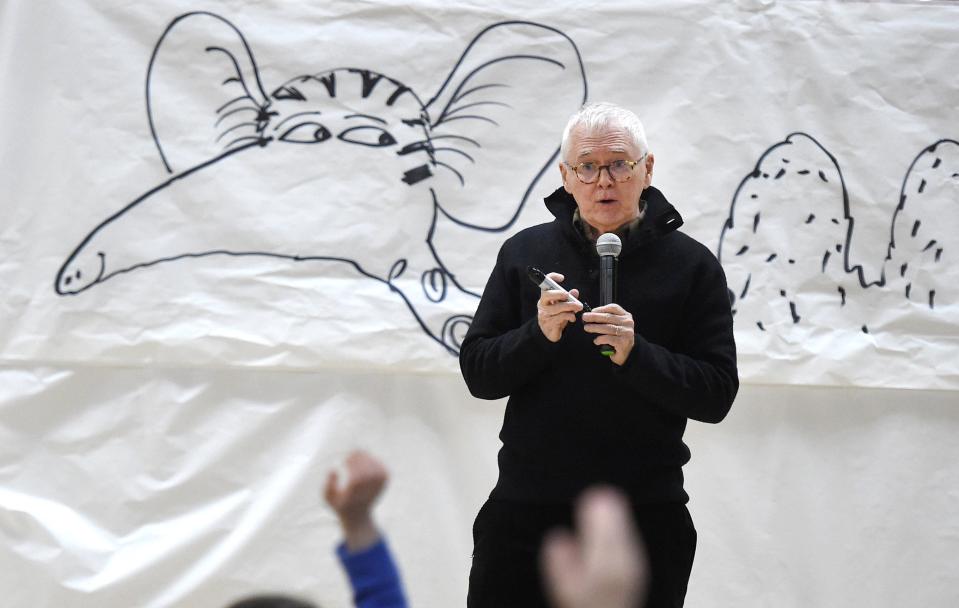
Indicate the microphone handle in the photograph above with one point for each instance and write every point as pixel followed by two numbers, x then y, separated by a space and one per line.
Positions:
pixel 607 291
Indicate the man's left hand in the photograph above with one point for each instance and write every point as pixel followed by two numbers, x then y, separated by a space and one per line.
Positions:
pixel 614 326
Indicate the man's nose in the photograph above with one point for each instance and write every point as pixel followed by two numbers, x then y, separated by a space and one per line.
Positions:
pixel 607 181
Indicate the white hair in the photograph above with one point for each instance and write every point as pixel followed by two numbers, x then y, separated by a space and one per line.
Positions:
pixel 601 116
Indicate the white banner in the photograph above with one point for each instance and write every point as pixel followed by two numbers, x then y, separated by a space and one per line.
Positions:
pixel 239 238
pixel 316 187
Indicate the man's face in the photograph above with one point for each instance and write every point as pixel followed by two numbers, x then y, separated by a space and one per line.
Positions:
pixel 606 204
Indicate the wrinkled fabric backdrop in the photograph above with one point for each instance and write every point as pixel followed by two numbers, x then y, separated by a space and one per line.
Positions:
pixel 239 239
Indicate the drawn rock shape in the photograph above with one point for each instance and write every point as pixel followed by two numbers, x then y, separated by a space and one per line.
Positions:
pixel 923 250
pixel 784 243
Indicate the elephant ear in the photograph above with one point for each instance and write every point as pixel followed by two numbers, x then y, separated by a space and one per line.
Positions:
pixel 497 120
pixel 204 94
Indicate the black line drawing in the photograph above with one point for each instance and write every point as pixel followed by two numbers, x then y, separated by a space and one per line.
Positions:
pixel 347 137
pixel 788 240
pixel 924 235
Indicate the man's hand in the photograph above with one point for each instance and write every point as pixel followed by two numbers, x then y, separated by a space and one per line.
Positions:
pixel 554 313
pixel 615 327
pixel 354 501
pixel 604 565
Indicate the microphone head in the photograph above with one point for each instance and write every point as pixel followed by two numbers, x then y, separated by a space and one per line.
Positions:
pixel 609 244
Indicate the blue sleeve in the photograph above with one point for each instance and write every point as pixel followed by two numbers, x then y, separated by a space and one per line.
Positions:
pixel 373 576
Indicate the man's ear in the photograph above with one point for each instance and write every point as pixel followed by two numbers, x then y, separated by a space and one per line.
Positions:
pixel 564 171
pixel 650 160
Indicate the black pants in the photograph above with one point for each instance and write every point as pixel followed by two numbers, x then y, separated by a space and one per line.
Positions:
pixel 507 538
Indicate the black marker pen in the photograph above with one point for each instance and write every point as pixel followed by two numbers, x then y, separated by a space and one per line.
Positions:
pixel 539 278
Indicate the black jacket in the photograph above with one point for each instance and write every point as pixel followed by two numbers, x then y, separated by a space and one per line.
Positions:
pixel 574 418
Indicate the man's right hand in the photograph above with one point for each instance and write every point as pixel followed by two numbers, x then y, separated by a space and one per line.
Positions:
pixel 554 313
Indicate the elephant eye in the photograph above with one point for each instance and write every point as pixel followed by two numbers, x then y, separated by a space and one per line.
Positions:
pixel 374 137
pixel 306 133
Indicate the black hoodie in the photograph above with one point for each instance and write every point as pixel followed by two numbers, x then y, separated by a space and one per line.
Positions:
pixel 574 418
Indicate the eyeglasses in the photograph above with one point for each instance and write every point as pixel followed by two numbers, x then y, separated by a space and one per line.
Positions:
pixel 619 170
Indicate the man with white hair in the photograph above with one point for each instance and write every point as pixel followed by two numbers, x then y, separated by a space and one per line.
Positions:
pixel 576 418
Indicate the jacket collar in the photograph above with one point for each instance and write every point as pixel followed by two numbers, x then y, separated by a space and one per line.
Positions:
pixel 661 217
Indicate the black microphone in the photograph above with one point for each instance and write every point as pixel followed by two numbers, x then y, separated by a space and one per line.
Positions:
pixel 608 247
